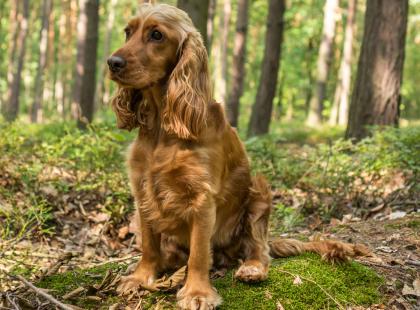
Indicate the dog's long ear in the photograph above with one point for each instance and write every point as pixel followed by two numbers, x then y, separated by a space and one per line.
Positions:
pixel 125 104
pixel 189 90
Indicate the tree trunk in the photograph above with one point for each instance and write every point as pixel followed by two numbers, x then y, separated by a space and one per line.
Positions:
pixel 198 11
pixel 42 60
pixel 100 86
pixel 11 108
pixel 339 111
pixel 376 94
pixel 316 104
pixel 210 24
pixel 261 110
pixel 87 41
pixel 221 55
pixel 238 70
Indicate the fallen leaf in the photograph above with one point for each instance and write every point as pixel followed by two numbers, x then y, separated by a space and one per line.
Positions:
pixel 385 249
pixel 297 281
pixel 176 279
pixel 122 232
pixel 49 190
pixel 397 215
pixel 279 306
pixel 415 290
pixel 334 222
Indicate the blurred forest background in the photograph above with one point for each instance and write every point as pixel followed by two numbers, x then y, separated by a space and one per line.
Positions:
pixel 324 93
pixel 301 68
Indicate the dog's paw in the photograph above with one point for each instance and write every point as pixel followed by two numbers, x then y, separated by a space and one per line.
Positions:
pixel 253 271
pixel 198 299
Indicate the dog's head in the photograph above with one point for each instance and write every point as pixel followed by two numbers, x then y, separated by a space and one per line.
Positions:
pixel 162 48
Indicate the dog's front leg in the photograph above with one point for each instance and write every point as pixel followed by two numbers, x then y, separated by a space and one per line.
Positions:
pixel 150 264
pixel 198 292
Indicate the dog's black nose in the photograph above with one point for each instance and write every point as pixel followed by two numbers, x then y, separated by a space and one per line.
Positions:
pixel 116 63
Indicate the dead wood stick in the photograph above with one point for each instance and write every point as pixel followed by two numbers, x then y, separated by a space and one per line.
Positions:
pixel 116 260
pixel 42 293
pixel 340 306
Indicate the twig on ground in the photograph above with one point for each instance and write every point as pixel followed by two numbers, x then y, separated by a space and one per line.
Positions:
pixel 413 262
pixel 11 301
pixel 365 262
pixel 339 305
pixel 116 260
pixel 41 292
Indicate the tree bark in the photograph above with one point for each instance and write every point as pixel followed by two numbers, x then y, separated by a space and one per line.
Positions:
pixel 100 86
pixel 221 55
pixel 261 110
pixel 316 104
pixel 210 24
pixel 198 11
pixel 42 61
pixel 376 94
pixel 14 30
pixel 11 107
pixel 339 111
pixel 238 68
pixel 87 42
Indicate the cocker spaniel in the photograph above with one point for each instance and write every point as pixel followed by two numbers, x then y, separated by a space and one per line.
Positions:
pixel 197 201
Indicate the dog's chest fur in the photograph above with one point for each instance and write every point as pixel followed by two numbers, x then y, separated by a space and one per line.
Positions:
pixel 168 182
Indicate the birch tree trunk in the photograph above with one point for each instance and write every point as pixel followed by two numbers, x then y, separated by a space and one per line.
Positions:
pixel 316 104
pixel 339 111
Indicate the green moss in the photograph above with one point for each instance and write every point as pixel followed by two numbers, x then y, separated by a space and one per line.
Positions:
pixel 349 284
pixel 413 224
pixel 63 283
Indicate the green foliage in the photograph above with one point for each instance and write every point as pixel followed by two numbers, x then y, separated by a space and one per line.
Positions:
pixel 42 164
pixel 335 174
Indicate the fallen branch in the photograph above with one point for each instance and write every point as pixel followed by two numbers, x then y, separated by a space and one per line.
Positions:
pixel 339 305
pixel 116 260
pixel 41 292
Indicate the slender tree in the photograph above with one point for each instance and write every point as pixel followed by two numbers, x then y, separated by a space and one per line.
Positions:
pixel 11 107
pixel 87 41
pixel 316 104
pixel 221 55
pixel 100 86
pixel 238 68
pixel 261 110
pixel 14 30
pixel 376 95
pixel 210 24
pixel 339 111
pixel 42 61
pixel 198 11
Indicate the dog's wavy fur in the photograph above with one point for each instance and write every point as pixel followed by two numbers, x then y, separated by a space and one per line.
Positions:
pixel 189 173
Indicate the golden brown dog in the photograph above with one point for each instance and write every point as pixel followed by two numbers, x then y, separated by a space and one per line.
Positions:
pixel 189 172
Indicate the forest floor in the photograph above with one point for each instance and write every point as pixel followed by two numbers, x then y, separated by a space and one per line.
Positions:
pixel 66 225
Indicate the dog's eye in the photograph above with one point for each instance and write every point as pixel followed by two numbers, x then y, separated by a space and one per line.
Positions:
pixel 156 35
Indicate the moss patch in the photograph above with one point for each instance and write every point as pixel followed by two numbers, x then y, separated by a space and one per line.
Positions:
pixel 349 284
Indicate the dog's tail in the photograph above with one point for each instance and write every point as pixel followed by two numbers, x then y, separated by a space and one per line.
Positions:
pixel 332 251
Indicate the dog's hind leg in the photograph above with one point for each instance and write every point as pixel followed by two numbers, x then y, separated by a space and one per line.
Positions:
pixel 254 249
